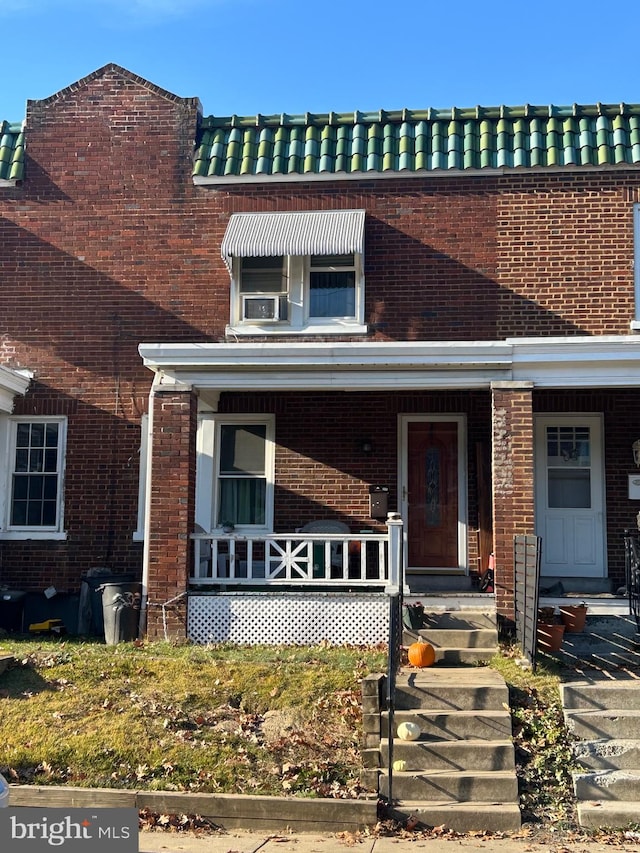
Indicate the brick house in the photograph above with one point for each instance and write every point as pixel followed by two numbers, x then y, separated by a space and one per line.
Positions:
pixel 231 345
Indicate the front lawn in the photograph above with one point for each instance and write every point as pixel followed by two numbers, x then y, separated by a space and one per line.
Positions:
pixel 264 720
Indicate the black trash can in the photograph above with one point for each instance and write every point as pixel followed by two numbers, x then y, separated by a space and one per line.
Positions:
pixel 12 609
pixel 93 621
pixel 121 611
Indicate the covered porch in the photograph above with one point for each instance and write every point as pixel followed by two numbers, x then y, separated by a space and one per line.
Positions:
pixel 320 401
pixel 328 423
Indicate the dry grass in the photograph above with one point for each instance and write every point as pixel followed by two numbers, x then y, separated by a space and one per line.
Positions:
pixel 221 719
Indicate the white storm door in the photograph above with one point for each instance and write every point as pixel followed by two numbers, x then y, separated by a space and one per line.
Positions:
pixel 570 495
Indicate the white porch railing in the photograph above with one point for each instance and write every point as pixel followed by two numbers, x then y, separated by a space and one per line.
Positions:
pixel 325 559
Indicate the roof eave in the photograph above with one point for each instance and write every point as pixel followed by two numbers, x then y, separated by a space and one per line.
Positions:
pixel 504 171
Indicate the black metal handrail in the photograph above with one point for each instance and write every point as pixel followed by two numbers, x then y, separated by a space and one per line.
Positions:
pixel 632 573
pixel 395 594
pixel 393 665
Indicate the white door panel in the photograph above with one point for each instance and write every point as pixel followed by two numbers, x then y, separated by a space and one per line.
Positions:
pixel 555 535
pixel 585 548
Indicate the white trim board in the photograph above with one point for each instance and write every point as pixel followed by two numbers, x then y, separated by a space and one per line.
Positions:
pixel 611 361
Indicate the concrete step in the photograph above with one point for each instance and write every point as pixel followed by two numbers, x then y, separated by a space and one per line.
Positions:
pixel 606 661
pixel 460 817
pixel 603 627
pixel 451 755
pixel 451 688
pixel 599 694
pixel 575 584
pixel 455 656
pixel 461 786
pixel 608 754
pixel 608 643
pixel 460 638
pixel 618 785
pixel 454 620
pixel 615 814
pixel 455 725
pixel 604 711
pixel 600 724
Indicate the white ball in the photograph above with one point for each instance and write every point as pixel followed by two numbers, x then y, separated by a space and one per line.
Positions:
pixel 408 731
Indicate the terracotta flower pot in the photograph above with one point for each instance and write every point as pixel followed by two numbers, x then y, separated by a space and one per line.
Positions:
pixel 550 636
pixel 573 617
pixel 547 615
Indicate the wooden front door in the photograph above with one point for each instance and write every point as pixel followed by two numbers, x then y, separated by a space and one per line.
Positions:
pixel 432 496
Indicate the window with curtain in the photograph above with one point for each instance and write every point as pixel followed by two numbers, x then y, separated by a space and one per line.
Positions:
pixel 242 474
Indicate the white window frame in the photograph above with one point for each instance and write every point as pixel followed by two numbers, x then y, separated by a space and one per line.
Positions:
pixel 207 467
pixel 297 270
pixel 635 323
pixel 8 432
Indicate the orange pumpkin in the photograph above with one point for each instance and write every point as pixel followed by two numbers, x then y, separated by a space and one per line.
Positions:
pixel 421 654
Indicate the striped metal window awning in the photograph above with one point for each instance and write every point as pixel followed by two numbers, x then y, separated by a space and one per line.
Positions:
pixel 317 232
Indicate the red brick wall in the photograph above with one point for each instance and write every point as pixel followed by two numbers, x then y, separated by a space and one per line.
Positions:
pixel 93 245
pixel 107 243
pixel 172 511
pixel 565 253
pixel 513 497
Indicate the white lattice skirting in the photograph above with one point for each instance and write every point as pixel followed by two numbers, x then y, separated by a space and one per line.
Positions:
pixel 288 618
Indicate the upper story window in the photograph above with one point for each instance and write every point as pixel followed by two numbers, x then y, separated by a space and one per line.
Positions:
pixel 34 472
pixel 296 272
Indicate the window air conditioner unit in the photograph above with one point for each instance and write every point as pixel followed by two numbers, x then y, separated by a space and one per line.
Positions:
pixel 261 309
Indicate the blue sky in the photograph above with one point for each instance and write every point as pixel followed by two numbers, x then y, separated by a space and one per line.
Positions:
pixel 294 56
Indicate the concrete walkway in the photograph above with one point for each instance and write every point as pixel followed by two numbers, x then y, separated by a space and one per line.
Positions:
pixel 237 841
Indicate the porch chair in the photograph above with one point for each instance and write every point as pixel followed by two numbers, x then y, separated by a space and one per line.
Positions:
pixel 325 526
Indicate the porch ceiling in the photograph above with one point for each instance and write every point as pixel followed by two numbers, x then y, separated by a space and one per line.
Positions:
pixel 584 362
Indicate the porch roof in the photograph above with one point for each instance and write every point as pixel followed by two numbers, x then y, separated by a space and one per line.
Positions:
pixel 574 362
pixel 12 383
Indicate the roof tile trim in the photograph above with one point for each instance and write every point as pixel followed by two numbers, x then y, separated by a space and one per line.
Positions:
pixel 409 141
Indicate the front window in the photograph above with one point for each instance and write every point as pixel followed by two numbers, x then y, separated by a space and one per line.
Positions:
pixel 242 476
pixel 35 475
pixel 235 472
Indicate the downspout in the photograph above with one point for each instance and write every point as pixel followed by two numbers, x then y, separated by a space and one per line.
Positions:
pixel 142 626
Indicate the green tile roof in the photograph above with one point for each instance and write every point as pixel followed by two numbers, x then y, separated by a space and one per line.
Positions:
pixel 406 141
pixel 416 141
pixel 11 151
